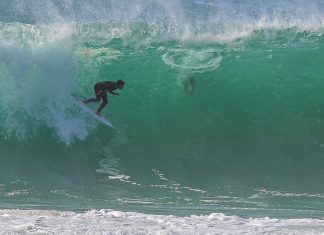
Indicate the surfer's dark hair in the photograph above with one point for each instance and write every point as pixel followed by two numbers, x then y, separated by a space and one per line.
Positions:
pixel 120 82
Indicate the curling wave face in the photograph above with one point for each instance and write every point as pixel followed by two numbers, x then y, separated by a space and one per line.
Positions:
pixel 244 139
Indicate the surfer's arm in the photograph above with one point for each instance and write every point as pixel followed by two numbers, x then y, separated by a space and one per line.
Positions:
pixel 114 93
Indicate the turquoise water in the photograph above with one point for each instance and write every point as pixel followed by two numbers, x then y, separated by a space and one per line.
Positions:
pixel 222 110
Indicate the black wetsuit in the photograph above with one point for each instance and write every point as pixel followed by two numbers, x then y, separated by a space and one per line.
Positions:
pixel 101 89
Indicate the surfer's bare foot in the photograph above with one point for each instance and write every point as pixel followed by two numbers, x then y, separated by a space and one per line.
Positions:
pixel 98 114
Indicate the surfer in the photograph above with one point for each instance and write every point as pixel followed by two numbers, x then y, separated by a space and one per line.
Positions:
pixel 101 89
pixel 188 84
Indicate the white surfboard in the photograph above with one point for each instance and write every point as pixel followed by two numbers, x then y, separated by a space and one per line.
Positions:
pixel 86 109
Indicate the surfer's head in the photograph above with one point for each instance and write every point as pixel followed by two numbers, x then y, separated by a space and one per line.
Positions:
pixel 120 84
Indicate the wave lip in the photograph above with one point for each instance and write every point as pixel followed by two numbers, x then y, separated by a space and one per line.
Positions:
pixel 147 21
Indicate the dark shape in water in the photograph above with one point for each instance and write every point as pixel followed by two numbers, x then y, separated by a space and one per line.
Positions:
pixel 188 84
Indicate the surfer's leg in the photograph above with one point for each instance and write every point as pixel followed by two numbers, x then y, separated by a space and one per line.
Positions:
pixel 104 102
pixel 98 97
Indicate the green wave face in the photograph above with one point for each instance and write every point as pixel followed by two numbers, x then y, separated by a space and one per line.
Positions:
pixel 217 114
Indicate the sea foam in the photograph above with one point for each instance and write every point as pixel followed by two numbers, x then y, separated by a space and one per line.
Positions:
pixel 107 221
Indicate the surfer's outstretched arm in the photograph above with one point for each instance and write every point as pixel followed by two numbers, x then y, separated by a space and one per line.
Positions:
pixel 114 93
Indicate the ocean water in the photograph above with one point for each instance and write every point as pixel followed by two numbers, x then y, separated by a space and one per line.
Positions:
pixel 220 126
